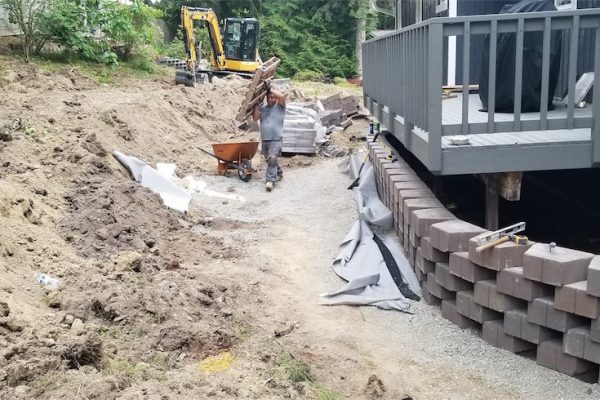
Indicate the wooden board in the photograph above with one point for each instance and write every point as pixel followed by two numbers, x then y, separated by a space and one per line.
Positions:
pixel 506 184
pixel 256 90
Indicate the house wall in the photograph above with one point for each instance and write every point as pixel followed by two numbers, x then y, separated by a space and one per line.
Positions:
pixel 6 29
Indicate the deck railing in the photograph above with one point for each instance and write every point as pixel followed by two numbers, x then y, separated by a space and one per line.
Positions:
pixel 403 73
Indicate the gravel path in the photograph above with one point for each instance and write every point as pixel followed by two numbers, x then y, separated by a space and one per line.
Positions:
pixel 301 223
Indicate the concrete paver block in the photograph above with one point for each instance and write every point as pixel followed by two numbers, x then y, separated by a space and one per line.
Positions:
pixel 431 253
pixel 593 277
pixel 422 219
pixel 504 255
pixel 512 281
pixel 550 355
pixel 461 266
pixel 558 267
pixel 453 235
pixel 574 298
pixel 486 295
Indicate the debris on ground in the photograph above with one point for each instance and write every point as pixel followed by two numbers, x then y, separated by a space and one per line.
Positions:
pixel 375 388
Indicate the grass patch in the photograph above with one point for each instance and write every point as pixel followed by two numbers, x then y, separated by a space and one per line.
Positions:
pixel 322 393
pixel 294 370
pixel 103 74
pixel 127 369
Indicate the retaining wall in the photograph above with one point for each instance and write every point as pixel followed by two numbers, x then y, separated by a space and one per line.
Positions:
pixel 524 298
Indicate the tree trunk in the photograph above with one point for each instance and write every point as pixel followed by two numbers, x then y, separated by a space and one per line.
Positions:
pixel 361 34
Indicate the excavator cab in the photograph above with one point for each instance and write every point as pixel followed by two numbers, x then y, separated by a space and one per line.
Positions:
pixel 240 37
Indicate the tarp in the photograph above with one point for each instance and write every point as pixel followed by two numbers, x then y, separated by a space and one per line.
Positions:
pixel 172 195
pixel 532 63
pixel 371 279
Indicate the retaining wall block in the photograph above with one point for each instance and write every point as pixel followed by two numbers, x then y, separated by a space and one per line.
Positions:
pixel 431 253
pixel 493 333
pixel 558 267
pixel 504 255
pixel 412 253
pixel 422 220
pixel 411 205
pixel 398 175
pixel 485 294
pixel 461 266
pixel 516 324
pixel 444 278
pixel 453 235
pixel 437 290
pixel 428 297
pixel 573 298
pixel 595 330
pixel 424 265
pixel 465 305
pixel 541 311
pixel 450 312
pixel 400 191
pixel 512 281
pixel 574 341
pixel 420 275
pixel 593 277
pixel 550 355
pixel 413 238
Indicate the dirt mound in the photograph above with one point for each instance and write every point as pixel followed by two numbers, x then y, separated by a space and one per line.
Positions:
pixel 144 292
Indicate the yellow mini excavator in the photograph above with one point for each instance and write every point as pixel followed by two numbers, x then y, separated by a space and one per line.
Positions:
pixel 234 46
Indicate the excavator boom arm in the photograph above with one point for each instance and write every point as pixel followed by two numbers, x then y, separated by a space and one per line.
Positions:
pixel 188 16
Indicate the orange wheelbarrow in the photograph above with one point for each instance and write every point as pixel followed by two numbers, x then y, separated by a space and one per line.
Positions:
pixel 234 156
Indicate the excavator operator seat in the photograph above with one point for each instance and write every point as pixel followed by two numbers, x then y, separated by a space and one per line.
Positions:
pixel 240 37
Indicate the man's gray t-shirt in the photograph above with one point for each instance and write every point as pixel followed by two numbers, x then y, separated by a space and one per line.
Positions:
pixel 271 122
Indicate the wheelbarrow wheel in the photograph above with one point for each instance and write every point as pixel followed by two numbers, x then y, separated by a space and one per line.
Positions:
pixel 245 173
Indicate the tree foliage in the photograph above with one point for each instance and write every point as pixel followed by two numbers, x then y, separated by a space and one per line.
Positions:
pixel 99 30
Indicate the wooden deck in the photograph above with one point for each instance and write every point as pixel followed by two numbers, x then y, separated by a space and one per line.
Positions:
pixel 533 150
pixel 478 120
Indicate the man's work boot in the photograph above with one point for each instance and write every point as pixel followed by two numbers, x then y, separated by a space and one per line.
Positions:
pixel 269 186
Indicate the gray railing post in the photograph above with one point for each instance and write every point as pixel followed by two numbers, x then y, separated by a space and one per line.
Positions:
pixel 434 96
pixel 596 104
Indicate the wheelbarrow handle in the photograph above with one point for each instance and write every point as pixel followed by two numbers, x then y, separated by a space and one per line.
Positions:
pixel 233 165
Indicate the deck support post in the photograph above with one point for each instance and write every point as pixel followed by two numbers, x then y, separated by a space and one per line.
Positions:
pixel 492 199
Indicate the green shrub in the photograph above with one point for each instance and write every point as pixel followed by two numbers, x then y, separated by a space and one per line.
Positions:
pixel 144 59
pixel 304 76
pixel 102 31
pixel 339 81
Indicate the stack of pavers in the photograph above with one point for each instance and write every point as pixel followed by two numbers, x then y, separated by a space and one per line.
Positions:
pixel 530 299
pixel 301 130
